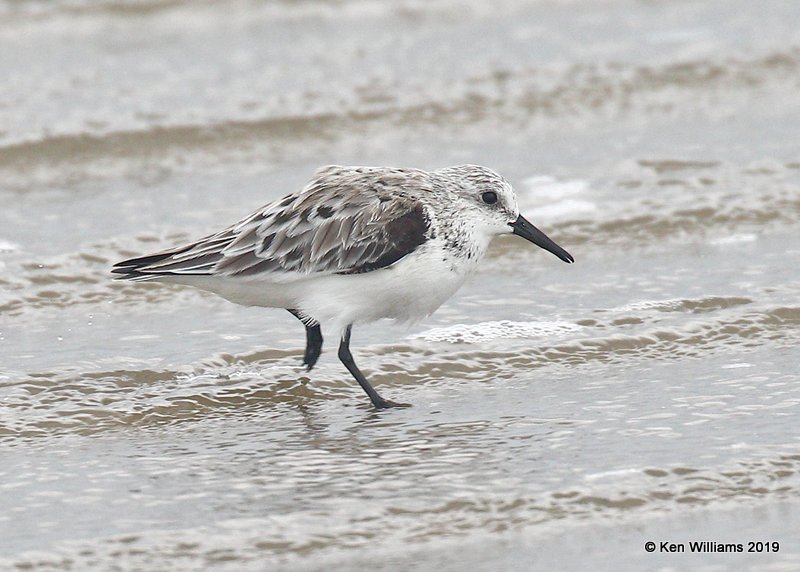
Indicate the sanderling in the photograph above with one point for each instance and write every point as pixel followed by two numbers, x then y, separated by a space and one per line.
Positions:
pixel 356 244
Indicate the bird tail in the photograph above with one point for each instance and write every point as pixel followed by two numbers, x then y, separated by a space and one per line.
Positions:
pixel 197 258
pixel 140 269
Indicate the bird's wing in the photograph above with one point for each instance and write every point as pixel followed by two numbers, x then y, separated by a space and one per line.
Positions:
pixel 345 221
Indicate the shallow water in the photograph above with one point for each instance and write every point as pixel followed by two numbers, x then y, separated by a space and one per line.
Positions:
pixel 648 392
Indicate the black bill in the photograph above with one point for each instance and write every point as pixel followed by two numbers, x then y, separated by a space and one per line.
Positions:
pixel 529 232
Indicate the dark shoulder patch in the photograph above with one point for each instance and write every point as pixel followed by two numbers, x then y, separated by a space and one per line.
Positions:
pixel 399 237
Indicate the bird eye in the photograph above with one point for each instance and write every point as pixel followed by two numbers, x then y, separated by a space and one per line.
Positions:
pixel 489 197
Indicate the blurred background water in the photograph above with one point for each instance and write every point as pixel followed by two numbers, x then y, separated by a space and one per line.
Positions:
pixel 563 415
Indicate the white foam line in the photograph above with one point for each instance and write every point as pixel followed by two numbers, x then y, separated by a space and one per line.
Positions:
pixel 550 187
pixel 504 329
pixel 8 246
pixel 608 474
pixel 737 365
pixel 558 197
pixel 734 239
pixel 561 209
pixel 650 305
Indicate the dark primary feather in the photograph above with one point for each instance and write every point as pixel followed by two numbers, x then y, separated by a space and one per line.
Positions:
pixel 347 220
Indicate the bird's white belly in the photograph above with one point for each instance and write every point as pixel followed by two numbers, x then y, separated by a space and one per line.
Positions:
pixel 410 289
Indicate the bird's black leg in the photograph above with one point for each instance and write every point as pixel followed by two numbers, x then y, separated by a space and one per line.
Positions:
pixel 313 340
pixel 347 359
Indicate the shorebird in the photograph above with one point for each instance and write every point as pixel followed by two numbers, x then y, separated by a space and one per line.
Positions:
pixel 356 244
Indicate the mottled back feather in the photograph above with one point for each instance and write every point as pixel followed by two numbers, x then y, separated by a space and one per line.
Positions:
pixel 347 220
